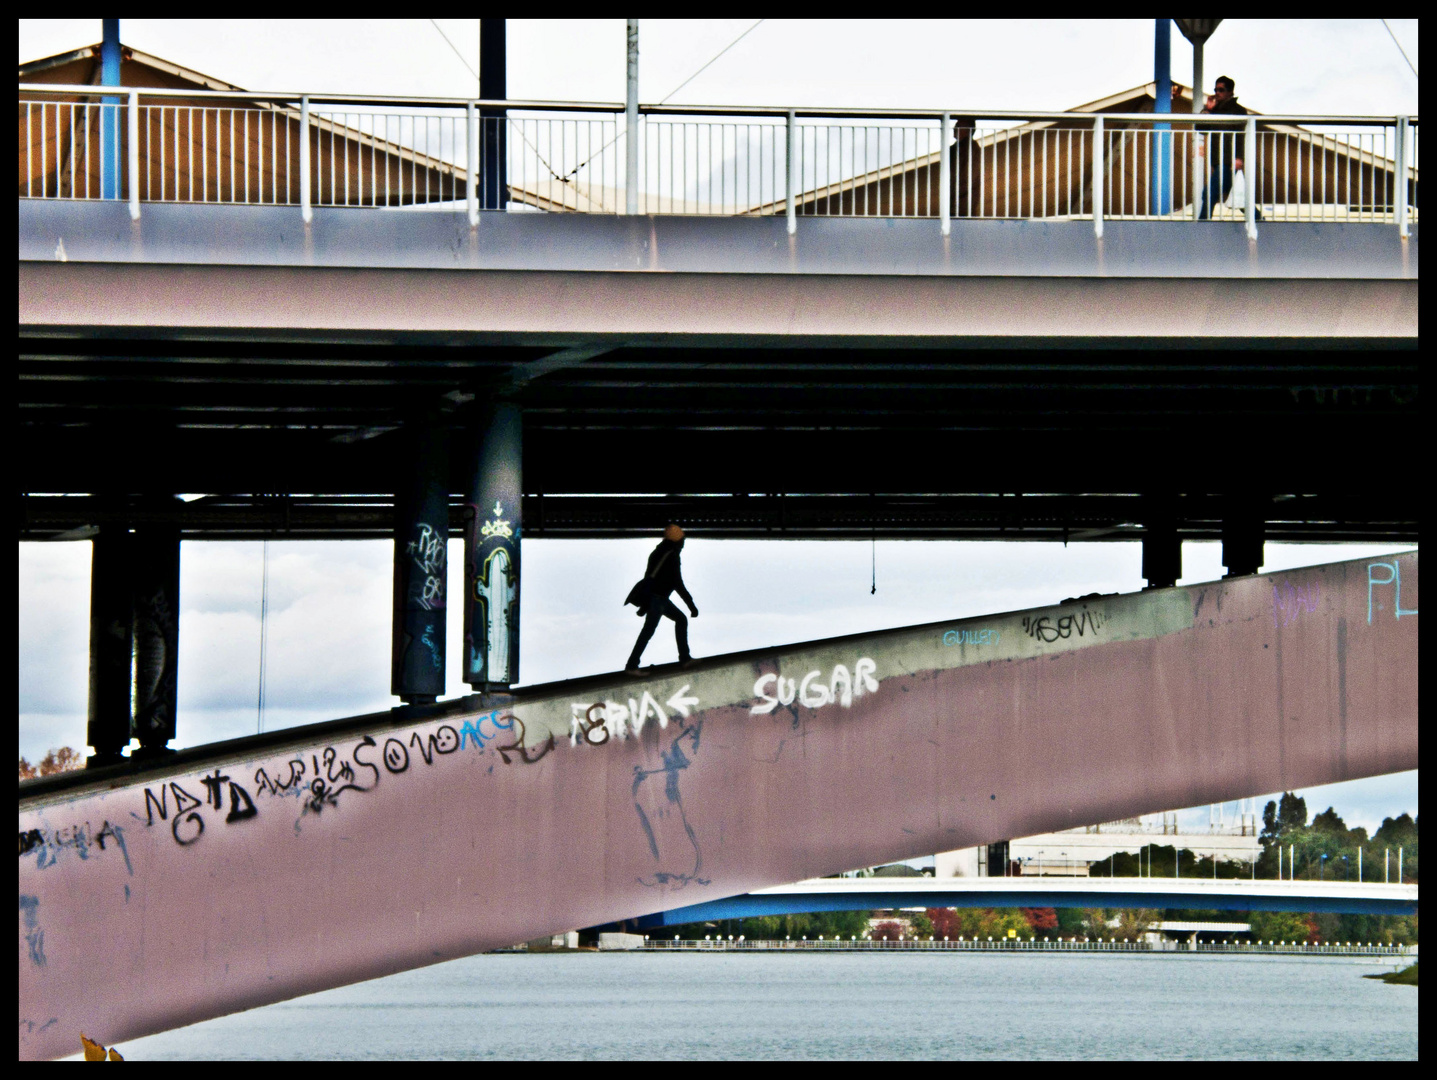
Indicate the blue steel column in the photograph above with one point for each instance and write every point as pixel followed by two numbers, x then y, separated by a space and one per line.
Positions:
pixel 1162 150
pixel 110 111
pixel 493 123
pixel 421 566
pixel 112 613
pixel 155 565
pixel 492 533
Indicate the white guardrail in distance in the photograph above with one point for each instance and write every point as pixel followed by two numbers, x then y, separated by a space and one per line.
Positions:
pixel 306 150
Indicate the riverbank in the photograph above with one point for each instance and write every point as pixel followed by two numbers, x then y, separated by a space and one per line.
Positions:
pixel 1009 946
pixel 1406 977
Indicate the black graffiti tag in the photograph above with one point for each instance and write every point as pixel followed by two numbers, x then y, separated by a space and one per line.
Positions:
pixel 1048 630
pixel 188 824
pixel 517 746
pixel 396 757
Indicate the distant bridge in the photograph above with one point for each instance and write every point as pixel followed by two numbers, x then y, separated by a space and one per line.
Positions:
pixel 1227 894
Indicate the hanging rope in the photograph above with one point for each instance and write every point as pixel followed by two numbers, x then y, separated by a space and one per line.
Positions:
pixel 263 630
pixel 874 588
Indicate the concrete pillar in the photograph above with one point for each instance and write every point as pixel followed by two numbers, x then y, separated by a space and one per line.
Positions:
pixel 1162 549
pixel 492 533
pixel 155 565
pixel 421 565
pixel 111 629
pixel 493 123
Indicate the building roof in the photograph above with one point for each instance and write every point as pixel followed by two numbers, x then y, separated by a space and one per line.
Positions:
pixel 182 160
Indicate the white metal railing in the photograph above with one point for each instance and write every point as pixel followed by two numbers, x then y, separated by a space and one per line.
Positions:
pixel 180 145
pixel 1029 944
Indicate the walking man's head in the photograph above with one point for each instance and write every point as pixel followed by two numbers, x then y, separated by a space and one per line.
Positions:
pixel 673 532
pixel 1223 88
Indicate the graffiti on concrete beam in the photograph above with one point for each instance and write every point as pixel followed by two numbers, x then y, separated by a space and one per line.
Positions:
pixel 1381 575
pixel 1290 602
pixel 985 636
pixel 1047 629
pixel 814 692
pixel 593 724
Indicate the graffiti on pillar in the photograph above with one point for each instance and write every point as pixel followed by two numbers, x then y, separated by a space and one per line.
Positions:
pixel 155 637
pixel 1381 575
pixel 430 552
pixel 497 592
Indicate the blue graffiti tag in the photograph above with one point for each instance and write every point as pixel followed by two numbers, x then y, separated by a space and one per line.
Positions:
pixel 1393 578
pixel 985 636
pixel 34 936
pixel 472 730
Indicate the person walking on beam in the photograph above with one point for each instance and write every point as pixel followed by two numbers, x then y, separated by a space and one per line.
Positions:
pixel 651 597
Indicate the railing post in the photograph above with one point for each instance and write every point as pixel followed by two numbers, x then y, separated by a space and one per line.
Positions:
pixel 304 207
pixel 1098 177
pixel 473 141
pixel 1249 175
pixel 945 178
pixel 790 184
pixel 134 155
pixel 631 122
pixel 1400 179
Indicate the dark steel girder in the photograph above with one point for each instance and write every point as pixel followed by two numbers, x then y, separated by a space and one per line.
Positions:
pixel 1047 517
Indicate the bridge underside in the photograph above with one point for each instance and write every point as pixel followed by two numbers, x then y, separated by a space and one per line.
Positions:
pixel 155 895
pixel 230 351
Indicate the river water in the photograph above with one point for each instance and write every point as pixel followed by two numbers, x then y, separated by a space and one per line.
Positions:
pixel 831 1005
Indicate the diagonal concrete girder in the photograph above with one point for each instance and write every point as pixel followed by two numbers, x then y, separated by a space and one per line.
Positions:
pixel 244 873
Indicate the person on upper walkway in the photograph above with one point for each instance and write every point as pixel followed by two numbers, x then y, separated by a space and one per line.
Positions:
pixel 1225 149
pixel 662 577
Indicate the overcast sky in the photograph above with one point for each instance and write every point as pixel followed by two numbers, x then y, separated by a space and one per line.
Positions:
pixel 1297 66
pixel 329 603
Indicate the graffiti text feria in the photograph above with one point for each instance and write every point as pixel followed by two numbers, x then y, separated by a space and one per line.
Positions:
pixel 595 723
pixel 813 691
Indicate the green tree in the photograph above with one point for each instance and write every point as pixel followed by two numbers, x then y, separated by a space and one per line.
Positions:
pixel 1282 926
pixel 921 924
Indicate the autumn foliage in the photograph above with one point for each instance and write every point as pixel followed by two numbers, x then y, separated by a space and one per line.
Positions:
pixel 56 761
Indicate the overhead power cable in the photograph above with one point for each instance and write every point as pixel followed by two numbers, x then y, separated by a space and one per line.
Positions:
pixel 457 53
pixel 1401 49
pixel 664 100
pixel 701 70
